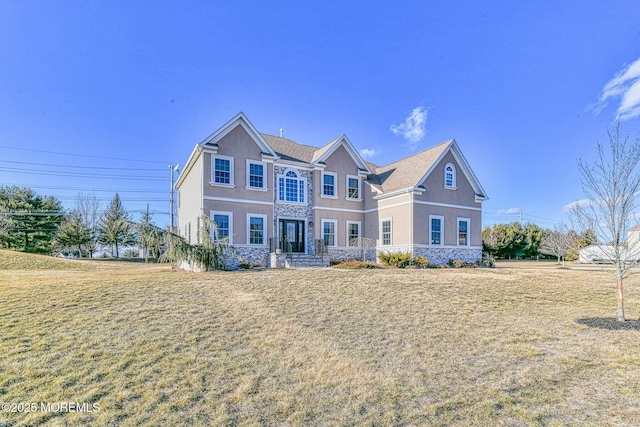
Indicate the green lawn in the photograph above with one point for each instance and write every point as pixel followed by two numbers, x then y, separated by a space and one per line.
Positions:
pixel 152 346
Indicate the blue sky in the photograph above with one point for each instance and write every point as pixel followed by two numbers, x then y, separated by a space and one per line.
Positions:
pixel 526 88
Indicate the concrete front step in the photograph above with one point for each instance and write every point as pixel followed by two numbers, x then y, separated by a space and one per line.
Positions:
pixel 306 261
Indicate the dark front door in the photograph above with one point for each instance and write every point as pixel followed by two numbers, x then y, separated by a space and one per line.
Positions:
pixel 291 235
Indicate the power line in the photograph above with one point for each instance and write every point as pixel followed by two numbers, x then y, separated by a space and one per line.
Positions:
pixel 71 174
pixel 80 167
pixel 83 155
pixel 56 187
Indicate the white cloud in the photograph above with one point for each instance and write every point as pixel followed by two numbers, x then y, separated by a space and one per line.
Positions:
pixel 509 211
pixel 413 127
pixel 626 86
pixel 583 203
pixel 368 153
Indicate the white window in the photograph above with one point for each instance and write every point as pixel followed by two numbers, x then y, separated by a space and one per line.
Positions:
pixel 221 169
pixel 222 226
pixel 256 175
pixel 463 231
pixel 353 187
pixel 436 232
pixel 385 232
pixel 256 229
pixel 329 227
pixel 353 233
pixel 449 176
pixel 291 187
pixel 329 184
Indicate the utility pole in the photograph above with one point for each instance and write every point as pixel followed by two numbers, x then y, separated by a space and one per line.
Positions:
pixel 172 224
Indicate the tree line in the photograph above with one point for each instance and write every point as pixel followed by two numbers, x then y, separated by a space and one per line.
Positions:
pixel 30 222
pixel 518 241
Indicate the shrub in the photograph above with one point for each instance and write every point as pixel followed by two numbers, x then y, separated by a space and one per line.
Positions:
pixel 456 263
pixel 130 253
pixel 488 260
pixel 421 262
pixel 356 265
pixel 395 259
pixel 402 260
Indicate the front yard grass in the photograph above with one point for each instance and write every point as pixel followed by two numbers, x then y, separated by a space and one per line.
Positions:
pixel 154 346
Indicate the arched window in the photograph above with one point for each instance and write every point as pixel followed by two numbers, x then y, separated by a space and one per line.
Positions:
pixel 291 187
pixel 449 176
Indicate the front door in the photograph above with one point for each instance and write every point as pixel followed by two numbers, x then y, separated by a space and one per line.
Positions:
pixel 291 235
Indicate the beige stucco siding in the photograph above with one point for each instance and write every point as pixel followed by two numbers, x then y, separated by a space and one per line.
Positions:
pixel 449 203
pixel 342 165
pixel 341 219
pixel 239 213
pixel 398 209
pixel 436 191
pixel 238 145
pixel 451 216
pixel 190 201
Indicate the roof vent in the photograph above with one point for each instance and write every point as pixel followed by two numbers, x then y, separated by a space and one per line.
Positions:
pixel 281 133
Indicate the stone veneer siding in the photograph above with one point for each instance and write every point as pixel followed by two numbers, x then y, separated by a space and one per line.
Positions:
pixel 443 255
pixel 347 254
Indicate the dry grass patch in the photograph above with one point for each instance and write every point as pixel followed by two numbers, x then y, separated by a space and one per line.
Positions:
pixel 318 347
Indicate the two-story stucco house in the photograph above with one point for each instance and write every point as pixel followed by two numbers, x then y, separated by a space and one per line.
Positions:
pixel 269 194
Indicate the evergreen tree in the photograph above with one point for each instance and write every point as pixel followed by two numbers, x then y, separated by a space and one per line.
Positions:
pixel 33 219
pixel 115 227
pixel 149 236
pixel 73 233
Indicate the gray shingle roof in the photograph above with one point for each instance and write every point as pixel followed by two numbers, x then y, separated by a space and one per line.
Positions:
pixel 290 150
pixel 404 173
pixel 407 172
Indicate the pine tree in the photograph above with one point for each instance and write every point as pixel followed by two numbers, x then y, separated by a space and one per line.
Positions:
pixel 115 227
pixel 73 233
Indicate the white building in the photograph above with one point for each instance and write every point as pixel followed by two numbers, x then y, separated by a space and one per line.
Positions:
pixel 603 254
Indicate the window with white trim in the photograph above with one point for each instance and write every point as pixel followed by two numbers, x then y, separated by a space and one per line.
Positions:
pixel 256 175
pixel 353 233
pixel 463 232
pixel 221 169
pixel 353 187
pixel 329 184
pixel 436 234
pixel 256 229
pixel 291 187
pixel 449 176
pixel 385 232
pixel 222 226
pixel 329 227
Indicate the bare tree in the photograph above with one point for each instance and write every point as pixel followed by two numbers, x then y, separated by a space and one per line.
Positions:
pixel 364 244
pixel 611 185
pixel 557 242
pixel 88 207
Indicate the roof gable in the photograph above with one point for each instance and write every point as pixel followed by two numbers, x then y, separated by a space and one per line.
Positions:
pixel 239 120
pixel 463 166
pixel 411 172
pixel 322 154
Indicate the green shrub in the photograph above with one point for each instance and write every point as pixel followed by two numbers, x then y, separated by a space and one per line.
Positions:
pixel 356 265
pixel 395 259
pixel 421 262
pixel 402 260
pixel 487 260
pixel 456 263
